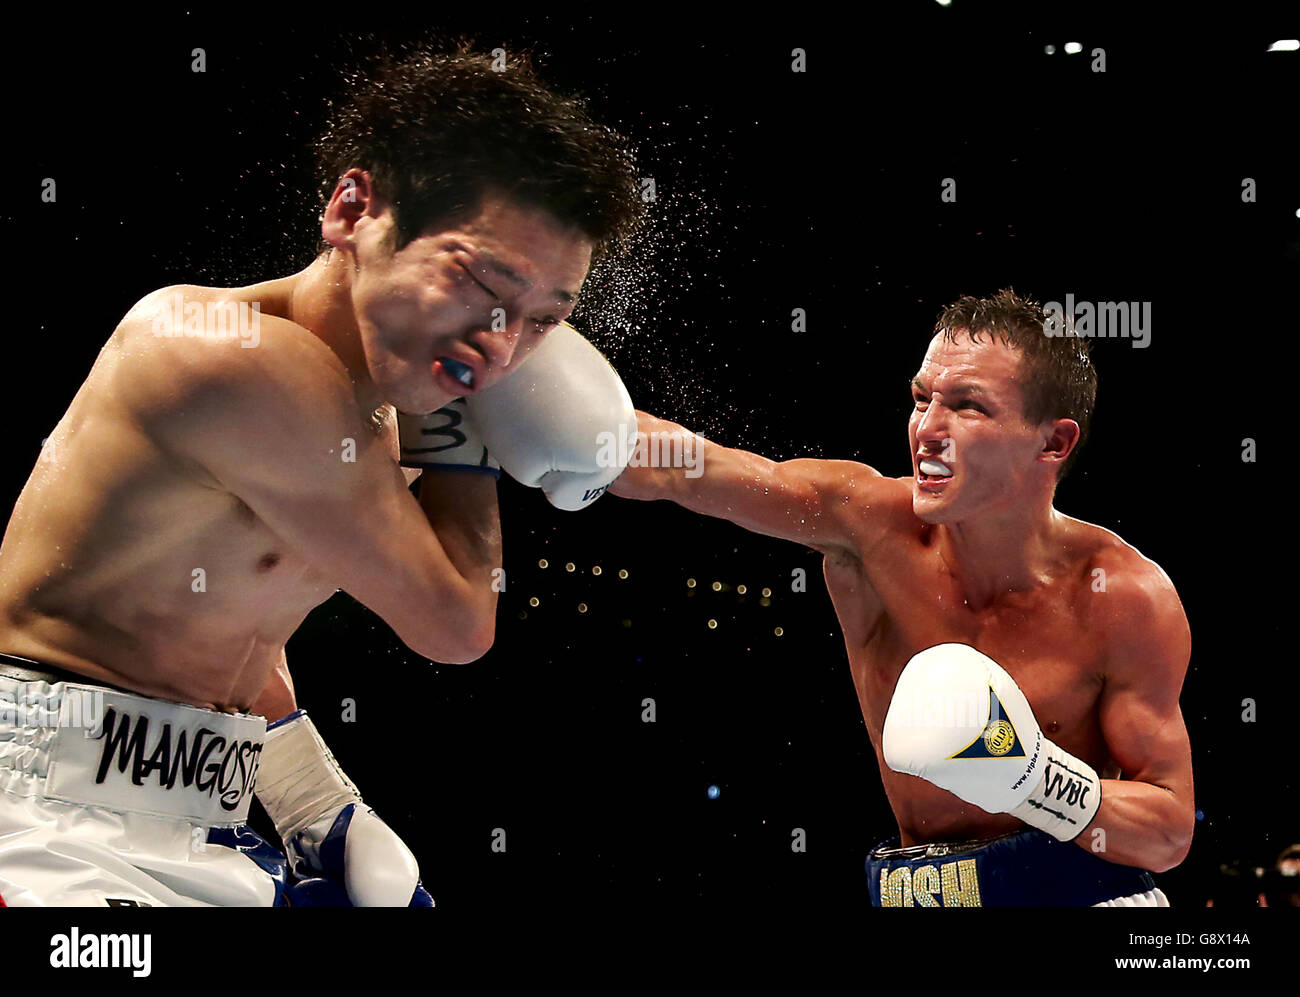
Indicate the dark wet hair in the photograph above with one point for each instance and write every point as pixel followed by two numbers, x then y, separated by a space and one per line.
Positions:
pixel 438 131
pixel 1057 378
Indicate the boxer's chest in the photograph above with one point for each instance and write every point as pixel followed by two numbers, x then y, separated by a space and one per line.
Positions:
pixel 1036 636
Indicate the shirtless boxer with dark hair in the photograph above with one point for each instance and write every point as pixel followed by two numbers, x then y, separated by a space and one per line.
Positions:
pixel 232 460
pixel 1018 670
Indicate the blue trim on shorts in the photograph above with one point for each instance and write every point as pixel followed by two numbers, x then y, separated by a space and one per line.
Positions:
pixel 288 718
pixel 1024 869
pixel 266 856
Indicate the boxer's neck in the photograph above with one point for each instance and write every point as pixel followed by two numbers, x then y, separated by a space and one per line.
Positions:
pixel 320 300
pixel 993 556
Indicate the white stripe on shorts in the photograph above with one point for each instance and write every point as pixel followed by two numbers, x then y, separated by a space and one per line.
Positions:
pixel 1151 898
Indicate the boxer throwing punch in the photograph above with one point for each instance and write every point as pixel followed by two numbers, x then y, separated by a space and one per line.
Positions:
pixel 1018 670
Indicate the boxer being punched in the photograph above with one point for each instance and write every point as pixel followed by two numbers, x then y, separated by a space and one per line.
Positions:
pixel 203 493
pixel 1033 750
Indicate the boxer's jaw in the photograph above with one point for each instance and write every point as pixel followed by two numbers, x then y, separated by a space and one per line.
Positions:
pixel 993 472
pixel 979 481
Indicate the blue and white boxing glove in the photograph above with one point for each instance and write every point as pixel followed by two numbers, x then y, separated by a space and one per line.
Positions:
pixel 336 845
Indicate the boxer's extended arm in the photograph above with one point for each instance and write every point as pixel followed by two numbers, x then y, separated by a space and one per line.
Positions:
pixel 820 503
pixel 279 428
pixel 1148 816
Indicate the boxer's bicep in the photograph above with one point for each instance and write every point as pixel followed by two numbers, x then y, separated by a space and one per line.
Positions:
pixel 779 500
pixel 1146 737
pixel 1140 717
pixel 817 503
pixel 824 504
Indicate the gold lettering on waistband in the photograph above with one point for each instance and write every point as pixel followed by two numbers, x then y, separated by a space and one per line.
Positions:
pixel 925 884
pixel 961 884
pixel 896 887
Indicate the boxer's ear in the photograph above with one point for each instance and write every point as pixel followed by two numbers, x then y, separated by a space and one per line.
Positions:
pixel 1060 438
pixel 354 198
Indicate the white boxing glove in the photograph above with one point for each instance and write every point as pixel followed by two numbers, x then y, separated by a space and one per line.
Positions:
pixel 326 828
pixel 959 721
pixel 562 422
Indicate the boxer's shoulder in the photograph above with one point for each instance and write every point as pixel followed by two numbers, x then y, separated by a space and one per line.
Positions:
pixel 877 510
pixel 888 501
pixel 283 394
pixel 173 345
pixel 189 312
pixel 1118 565
pixel 1131 601
pixel 1093 551
pixel 875 506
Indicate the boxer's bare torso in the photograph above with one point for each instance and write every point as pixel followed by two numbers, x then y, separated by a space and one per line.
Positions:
pixel 125 560
pixel 1055 639
pixel 1091 631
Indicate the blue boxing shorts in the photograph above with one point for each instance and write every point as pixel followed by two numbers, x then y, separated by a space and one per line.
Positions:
pixel 1027 868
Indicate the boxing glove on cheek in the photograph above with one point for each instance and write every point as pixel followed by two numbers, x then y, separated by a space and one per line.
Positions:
pixel 959 721
pixel 562 422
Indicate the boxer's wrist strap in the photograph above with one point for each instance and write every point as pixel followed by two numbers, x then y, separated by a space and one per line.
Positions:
pixel 445 440
pixel 298 780
pixel 1066 798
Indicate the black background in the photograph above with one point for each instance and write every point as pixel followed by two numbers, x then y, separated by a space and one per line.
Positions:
pixel 776 190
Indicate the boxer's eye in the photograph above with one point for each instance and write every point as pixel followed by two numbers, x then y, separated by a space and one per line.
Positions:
pixel 486 290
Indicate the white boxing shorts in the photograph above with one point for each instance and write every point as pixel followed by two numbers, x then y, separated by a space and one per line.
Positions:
pixel 108 798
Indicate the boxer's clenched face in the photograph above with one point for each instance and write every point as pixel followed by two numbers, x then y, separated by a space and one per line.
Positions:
pixel 967 419
pixel 457 309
